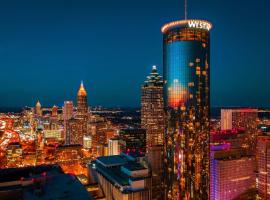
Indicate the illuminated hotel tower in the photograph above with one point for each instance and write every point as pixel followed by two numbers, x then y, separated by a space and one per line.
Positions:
pixel 186 48
pixel 152 120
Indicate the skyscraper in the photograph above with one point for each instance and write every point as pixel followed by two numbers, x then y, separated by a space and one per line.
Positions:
pixel 232 174
pixel 38 109
pixel 263 161
pixel 186 53
pixel 82 105
pixel 246 119
pixel 152 120
pixel 67 110
pixel 67 115
pixel 78 126
pixel 152 110
pixel 54 111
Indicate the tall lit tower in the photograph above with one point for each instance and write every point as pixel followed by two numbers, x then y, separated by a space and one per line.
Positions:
pixel 38 109
pixel 152 120
pixel 82 106
pixel 186 54
pixel 152 111
pixel 67 115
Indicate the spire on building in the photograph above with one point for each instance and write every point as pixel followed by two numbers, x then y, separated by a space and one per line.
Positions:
pixel 82 91
pixel 154 79
pixel 38 104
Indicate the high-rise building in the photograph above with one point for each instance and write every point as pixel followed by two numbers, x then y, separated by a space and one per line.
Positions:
pixel 54 111
pixel 133 141
pixel 232 174
pixel 82 105
pixel 38 109
pixel 67 115
pixel 263 161
pixel 238 118
pixel 152 120
pixel 246 119
pixel 113 146
pixel 152 108
pixel 67 110
pixel 82 111
pixel 75 131
pixel 186 62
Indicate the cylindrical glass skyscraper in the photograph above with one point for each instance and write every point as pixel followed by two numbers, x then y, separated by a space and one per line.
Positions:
pixel 186 53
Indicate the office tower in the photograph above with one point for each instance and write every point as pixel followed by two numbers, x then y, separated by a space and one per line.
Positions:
pixel 232 174
pixel 186 62
pixel 54 111
pixel 98 126
pixel 67 115
pixel 113 146
pixel 152 120
pixel 238 118
pixel 133 141
pixel 67 110
pixel 152 109
pixel 82 111
pixel 263 162
pixel 38 109
pixel 75 131
pixel 246 119
pixel 82 105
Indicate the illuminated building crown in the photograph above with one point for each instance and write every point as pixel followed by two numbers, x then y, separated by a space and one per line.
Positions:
pixel 82 91
pixel 38 104
pixel 154 79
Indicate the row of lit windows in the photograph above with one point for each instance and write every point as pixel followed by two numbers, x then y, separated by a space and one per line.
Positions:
pixel 187 34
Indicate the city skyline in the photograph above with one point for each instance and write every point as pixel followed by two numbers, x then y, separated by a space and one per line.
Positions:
pixel 134 100
pixel 68 43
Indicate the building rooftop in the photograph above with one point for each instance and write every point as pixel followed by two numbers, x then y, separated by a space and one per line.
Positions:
pixel 191 23
pixel 15 174
pixel 134 166
pixel 110 161
pixel 58 187
pixel 154 79
pixel 111 168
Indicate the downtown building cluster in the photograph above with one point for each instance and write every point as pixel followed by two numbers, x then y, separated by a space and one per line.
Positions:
pixel 176 152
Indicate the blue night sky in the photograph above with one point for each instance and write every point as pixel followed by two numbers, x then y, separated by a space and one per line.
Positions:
pixel 48 46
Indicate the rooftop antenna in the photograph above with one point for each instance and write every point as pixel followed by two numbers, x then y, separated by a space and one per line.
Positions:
pixel 185 9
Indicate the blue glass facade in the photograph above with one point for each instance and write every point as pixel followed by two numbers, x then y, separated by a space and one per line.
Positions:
pixel 181 60
pixel 186 93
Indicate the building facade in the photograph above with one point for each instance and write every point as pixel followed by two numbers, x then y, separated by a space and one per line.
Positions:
pixel 67 110
pixel 263 162
pixel 245 119
pixel 232 175
pixel 113 146
pixel 133 140
pixel 186 62
pixel 67 115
